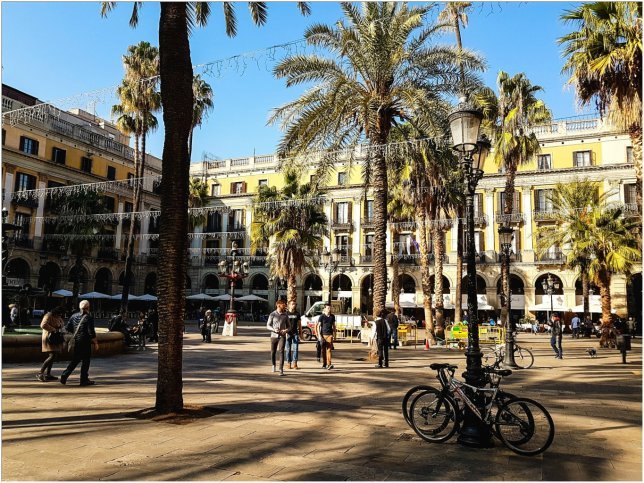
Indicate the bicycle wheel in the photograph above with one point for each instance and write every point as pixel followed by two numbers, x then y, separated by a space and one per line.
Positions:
pixel 525 426
pixel 434 416
pixel 489 357
pixel 523 357
pixel 408 399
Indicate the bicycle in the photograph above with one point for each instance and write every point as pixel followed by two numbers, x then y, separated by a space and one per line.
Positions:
pixel 523 358
pixel 416 391
pixel 523 425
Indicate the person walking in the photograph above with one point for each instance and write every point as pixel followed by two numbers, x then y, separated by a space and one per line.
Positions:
pixel 325 328
pixel 293 336
pixel 208 322
pixel 575 323
pixel 51 323
pixel 556 335
pixel 153 321
pixel 278 324
pixel 382 333
pixel 394 322
pixel 142 329
pixel 81 325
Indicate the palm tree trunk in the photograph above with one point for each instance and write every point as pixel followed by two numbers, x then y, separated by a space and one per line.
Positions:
pixel 425 282
pixel 459 265
pixel 190 143
pixel 635 133
pixel 129 250
pixel 76 287
pixel 291 289
pixel 380 230
pixel 395 285
pixel 439 251
pixel 585 290
pixel 510 175
pixel 603 280
pixel 177 100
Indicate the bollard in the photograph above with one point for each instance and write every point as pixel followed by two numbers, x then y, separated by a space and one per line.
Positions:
pixel 624 344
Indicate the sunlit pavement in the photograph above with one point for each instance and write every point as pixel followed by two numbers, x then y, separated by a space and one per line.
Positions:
pixel 312 424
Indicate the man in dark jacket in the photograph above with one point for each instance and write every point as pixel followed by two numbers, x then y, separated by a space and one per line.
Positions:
pixel 382 338
pixel 556 335
pixel 81 325
pixel 392 320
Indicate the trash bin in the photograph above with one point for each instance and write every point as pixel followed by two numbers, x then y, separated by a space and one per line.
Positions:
pixel 624 344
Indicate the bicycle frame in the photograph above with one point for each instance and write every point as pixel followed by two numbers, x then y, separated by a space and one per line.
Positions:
pixel 456 388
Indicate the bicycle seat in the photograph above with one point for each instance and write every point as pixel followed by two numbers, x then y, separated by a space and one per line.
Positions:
pixel 437 366
pixel 498 372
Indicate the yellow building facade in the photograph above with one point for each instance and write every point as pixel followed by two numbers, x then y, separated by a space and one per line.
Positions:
pixel 571 149
pixel 45 148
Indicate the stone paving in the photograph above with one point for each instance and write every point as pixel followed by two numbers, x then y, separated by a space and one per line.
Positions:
pixel 312 424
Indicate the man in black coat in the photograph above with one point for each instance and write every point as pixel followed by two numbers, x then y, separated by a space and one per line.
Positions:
pixel 392 320
pixel 81 325
pixel 382 338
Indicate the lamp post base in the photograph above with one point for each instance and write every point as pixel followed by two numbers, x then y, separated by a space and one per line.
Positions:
pixel 474 433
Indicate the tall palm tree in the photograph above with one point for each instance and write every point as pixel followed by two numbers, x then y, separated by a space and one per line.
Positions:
pixel 572 205
pixel 614 246
pixel 176 76
pixel 455 15
pixel 139 99
pixel 202 93
pixel 508 118
pixel 604 61
pixel 381 70
pixel 197 195
pixel 293 220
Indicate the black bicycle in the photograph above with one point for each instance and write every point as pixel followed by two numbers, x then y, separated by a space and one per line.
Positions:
pixel 523 425
pixel 523 358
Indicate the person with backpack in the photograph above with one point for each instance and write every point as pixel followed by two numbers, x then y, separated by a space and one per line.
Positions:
pixel 382 333
pixel 393 321
pixel 81 325
pixel 556 335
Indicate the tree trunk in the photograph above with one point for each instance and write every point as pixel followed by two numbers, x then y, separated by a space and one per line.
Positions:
pixel 603 280
pixel 395 284
pixel 425 282
pixel 76 287
pixel 177 99
pixel 510 175
pixel 439 251
pixel 635 133
pixel 380 230
pixel 130 239
pixel 459 265
pixel 190 143
pixel 291 289
pixel 585 289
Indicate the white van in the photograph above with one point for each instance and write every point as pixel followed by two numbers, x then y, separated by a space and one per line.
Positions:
pixel 311 316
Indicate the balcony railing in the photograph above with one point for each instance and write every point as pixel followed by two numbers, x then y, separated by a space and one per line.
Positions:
pixel 28 202
pixel 514 257
pixel 342 226
pixel 479 219
pixel 258 261
pixel 544 215
pixel 367 222
pixel 552 258
pixel 366 259
pixel 24 241
pixel 236 227
pixel 631 209
pixel 410 259
pixel 515 217
pixel 108 254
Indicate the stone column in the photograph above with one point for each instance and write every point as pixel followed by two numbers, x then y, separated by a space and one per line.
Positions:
pixel 8 190
pixel 38 225
pixel 527 245
pixel 145 229
pixel 119 230
pixel 489 226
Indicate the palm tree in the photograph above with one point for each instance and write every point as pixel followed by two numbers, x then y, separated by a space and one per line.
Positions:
pixel 81 241
pixel 293 220
pixel 139 99
pixel 202 93
pixel 614 246
pixel 197 195
pixel 176 77
pixel 604 61
pixel 455 14
pixel 508 119
pixel 380 75
pixel 572 205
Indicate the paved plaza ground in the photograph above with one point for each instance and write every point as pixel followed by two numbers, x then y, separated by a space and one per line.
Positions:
pixel 312 424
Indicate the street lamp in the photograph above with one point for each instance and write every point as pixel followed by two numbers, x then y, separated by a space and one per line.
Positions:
pixel 330 261
pixel 279 284
pixel 472 150
pixel 550 286
pixel 234 270
pixel 506 235
pixel 8 239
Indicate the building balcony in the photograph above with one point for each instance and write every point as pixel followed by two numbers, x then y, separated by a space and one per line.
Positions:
pixel 544 215
pixel 514 257
pixel 27 202
pixel 366 259
pixel 552 258
pixel 211 260
pixel 407 258
pixel 514 217
pixel 110 254
pixel 236 227
pixel 23 241
pixel 631 209
pixel 479 220
pixel 344 226
pixel 484 257
pixel 54 246
pixel 367 223
pixel 346 260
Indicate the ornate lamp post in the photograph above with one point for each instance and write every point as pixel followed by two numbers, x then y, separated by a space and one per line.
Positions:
pixel 280 284
pixel 550 286
pixel 8 238
pixel 506 235
pixel 234 270
pixel 330 261
pixel 464 125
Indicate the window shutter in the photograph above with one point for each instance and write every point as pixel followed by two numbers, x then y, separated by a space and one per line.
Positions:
pixel 243 190
pixel 335 213
pixel 22 143
pixel 35 148
pixel 350 213
pixel 232 188
pixel 32 182
pixel 516 208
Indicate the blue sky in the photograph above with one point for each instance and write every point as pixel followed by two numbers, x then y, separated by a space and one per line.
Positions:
pixel 57 50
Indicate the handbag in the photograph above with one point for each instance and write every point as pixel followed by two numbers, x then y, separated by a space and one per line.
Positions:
pixel 55 338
